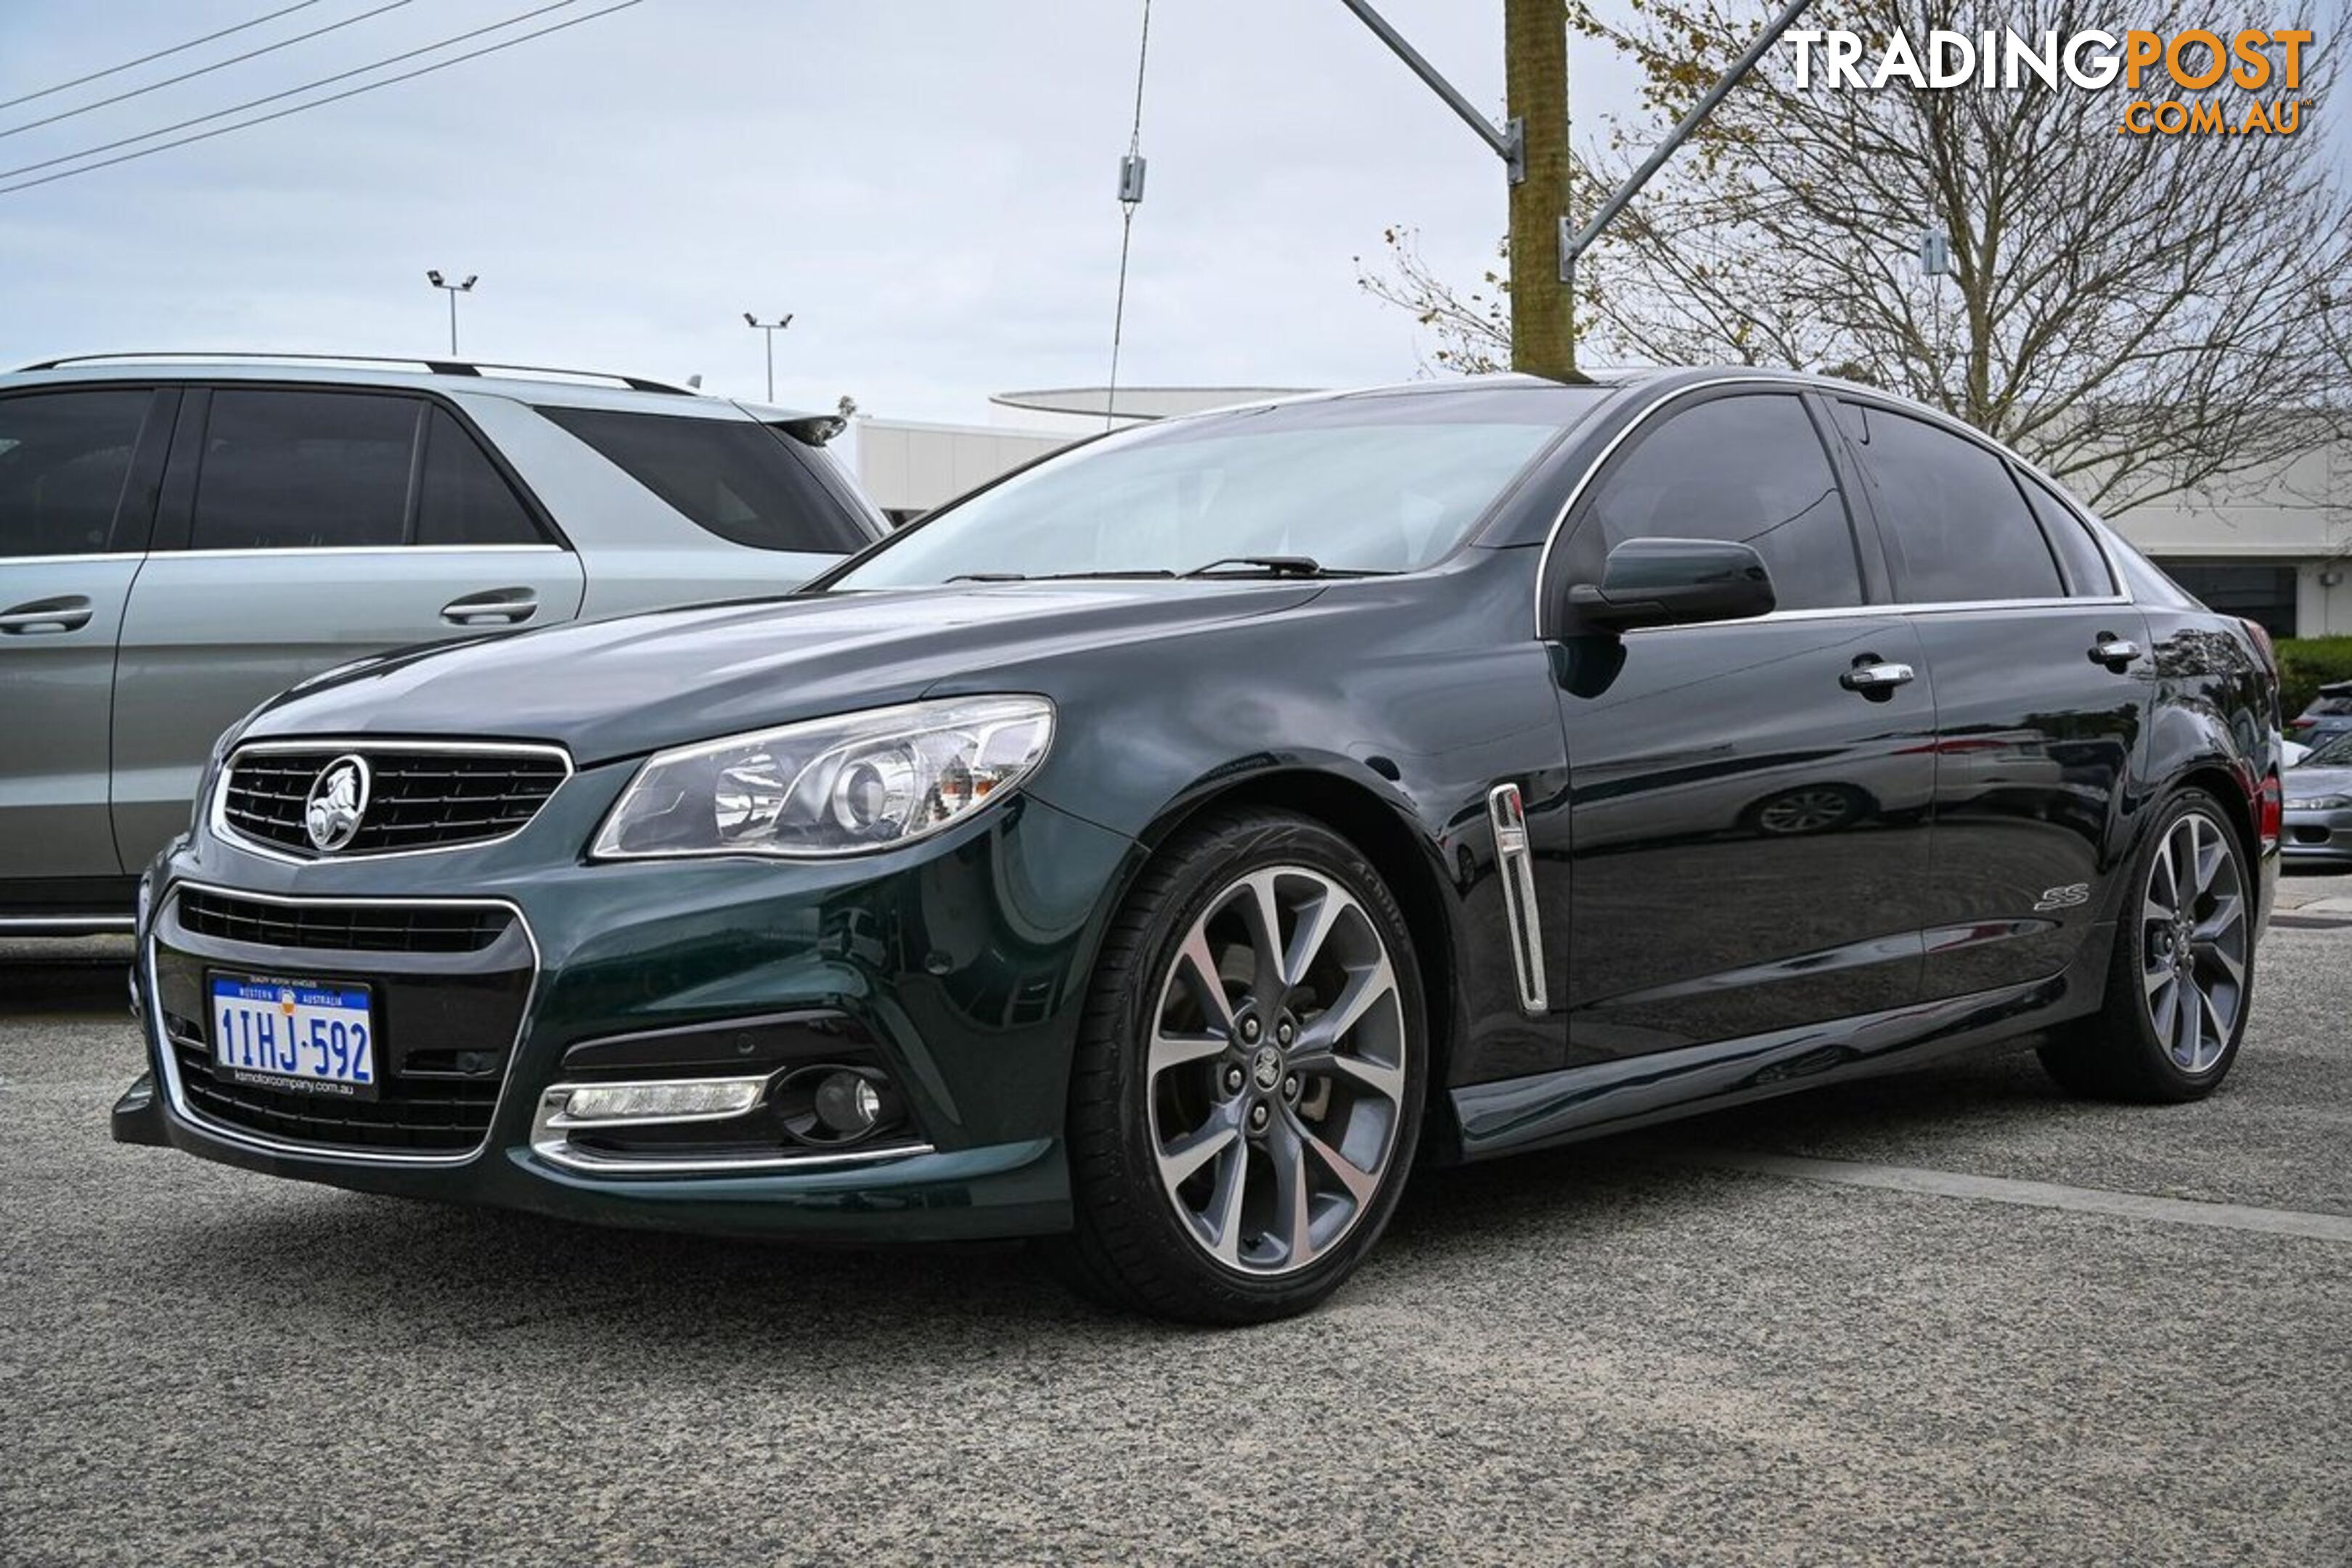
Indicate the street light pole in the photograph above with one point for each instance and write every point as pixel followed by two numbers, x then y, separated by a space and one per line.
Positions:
pixel 453 290
pixel 771 329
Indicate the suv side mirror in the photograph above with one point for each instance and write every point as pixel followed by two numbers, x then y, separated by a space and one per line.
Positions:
pixel 1674 582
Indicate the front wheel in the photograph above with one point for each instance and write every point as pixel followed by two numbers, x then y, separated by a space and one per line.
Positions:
pixel 1248 1086
pixel 2181 979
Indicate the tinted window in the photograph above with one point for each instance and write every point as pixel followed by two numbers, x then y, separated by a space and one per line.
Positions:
pixel 1954 523
pixel 734 477
pixel 63 460
pixel 466 500
pixel 303 471
pixel 1750 469
pixel 2086 569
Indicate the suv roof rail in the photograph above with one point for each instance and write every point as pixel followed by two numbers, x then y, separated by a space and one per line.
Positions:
pixel 436 365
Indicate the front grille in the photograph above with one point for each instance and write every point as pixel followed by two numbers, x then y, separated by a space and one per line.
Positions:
pixel 345 928
pixel 417 799
pixel 440 1114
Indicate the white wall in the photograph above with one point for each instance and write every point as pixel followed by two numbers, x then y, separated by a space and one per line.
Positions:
pixel 910 467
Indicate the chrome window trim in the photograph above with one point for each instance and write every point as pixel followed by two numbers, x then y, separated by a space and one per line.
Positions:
pixel 87 558
pixel 216 809
pixel 241 552
pixel 1794 385
pixel 167 1060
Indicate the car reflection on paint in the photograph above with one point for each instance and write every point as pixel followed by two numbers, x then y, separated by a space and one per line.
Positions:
pixel 2317 830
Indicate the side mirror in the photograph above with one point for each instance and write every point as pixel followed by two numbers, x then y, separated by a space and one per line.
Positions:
pixel 1674 582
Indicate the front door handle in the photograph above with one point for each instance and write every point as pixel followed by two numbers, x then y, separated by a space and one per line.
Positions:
pixel 2113 651
pixel 1874 679
pixel 495 607
pixel 39 617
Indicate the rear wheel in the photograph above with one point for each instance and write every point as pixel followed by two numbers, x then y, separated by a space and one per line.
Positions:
pixel 1248 1093
pixel 2182 975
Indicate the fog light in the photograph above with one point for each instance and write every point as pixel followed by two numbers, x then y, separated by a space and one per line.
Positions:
pixel 847 1103
pixel 685 1100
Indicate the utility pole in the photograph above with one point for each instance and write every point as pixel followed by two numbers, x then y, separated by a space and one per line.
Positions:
pixel 453 290
pixel 771 329
pixel 1535 78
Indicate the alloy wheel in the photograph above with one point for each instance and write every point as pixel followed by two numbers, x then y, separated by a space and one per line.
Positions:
pixel 1276 1071
pixel 2194 933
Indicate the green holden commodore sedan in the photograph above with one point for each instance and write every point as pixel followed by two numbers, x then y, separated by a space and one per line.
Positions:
pixel 1166 849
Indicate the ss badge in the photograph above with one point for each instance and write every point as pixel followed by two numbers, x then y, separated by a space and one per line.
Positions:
pixel 2065 897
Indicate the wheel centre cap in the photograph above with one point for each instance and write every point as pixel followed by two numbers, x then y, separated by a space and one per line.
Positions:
pixel 1266 1067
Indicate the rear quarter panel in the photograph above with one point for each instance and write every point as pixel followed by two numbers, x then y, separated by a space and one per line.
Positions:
pixel 2215 723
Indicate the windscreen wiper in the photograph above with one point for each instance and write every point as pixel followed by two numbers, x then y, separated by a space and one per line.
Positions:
pixel 1280 566
pixel 1057 577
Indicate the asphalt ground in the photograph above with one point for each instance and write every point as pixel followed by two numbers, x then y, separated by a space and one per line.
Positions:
pixel 1788 1334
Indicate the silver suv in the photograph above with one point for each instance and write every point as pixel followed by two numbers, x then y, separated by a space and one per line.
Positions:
pixel 180 537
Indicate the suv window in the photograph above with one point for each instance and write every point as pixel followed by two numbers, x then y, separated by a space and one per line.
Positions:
pixel 2086 567
pixel 1749 468
pixel 64 457
pixel 466 499
pixel 734 478
pixel 304 470
pixel 1954 524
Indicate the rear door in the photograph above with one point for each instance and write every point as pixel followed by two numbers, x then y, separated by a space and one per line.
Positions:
pixel 77 472
pixel 1750 810
pixel 301 528
pixel 2043 687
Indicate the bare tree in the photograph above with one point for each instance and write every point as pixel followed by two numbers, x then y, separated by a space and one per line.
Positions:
pixel 2143 315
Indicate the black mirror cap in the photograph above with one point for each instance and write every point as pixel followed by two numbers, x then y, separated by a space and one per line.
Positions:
pixel 1674 582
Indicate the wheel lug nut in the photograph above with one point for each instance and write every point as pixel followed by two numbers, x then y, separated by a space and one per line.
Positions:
pixel 1281 1032
pixel 1259 1114
pixel 1249 1029
pixel 1290 1086
pixel 1232 1080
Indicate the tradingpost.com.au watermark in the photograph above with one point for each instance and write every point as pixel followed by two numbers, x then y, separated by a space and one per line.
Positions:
pixel 2194 59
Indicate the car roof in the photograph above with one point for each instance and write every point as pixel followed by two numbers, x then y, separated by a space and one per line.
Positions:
pixel 530 383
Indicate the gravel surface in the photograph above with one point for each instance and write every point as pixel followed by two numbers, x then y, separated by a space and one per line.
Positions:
pixel 1601 1354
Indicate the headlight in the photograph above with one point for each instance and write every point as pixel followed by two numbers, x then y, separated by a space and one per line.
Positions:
pixel 842 785
pixel 2321 803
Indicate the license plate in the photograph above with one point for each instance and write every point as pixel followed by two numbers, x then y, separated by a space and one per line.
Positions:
pixel 313 1036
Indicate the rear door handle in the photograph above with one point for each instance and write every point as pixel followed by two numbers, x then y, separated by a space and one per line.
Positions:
pixel 2113 651
pixel 495 607
pixel 1874 678
pixel 38 617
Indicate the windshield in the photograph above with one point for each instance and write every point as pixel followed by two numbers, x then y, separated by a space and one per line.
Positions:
pixel 2333 754
pixel 1371 484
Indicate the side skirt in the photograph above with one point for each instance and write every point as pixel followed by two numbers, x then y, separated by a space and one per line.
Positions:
pixel 1602 1098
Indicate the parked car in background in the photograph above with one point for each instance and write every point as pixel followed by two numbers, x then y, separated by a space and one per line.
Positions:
pixel 181 537
pixel 1164 849
pixel 2319 830
pixel 2329 716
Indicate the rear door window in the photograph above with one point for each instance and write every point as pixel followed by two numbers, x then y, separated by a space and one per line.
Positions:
pixel 1954 524
pixel 63 458
pixel 733 478
pixel 466 499
pixel 1749 468
pixel 305 470
pixel 2087 568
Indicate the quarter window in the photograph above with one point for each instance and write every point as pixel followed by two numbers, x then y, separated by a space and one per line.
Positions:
pixel 1954 524
pixel 305 470
pixel 64 457
pixel 466 500
pixel 2086 566
pixel 734 478
pixel 1749 468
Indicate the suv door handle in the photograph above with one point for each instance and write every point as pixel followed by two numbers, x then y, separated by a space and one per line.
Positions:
pixel 2113 651
pixel 495 607
pixel 1874 678
pixel 37 617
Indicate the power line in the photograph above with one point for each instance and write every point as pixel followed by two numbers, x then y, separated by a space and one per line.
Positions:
pixel 158 54
pixel 206 70
pixel 274 97
pixel 331 97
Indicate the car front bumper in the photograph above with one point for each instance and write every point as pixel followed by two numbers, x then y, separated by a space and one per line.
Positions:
pixel 959 961
pixel 2316 838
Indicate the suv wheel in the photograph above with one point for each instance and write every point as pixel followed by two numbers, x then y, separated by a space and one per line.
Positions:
pixel 1248 1086
pixel 2183 969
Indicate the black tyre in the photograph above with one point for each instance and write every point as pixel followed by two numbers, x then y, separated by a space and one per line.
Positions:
pixel 1248 1090
pixel 2181 981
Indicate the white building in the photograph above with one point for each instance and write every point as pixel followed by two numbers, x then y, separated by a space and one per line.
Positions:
pixel 2278 550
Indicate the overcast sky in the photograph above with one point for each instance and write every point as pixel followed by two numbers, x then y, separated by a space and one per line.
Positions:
pixel 928 185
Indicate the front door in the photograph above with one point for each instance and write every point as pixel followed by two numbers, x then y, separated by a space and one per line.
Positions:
pixel 1750 800
pixel 308 528
pixel 77 475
